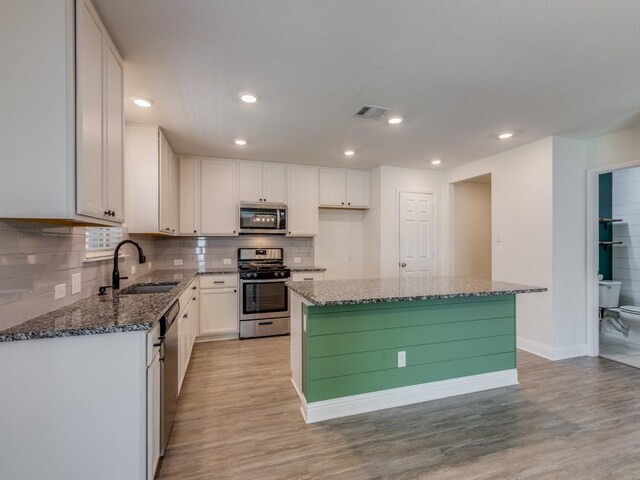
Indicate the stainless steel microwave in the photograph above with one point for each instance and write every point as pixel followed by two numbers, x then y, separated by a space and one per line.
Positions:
pixel 263 219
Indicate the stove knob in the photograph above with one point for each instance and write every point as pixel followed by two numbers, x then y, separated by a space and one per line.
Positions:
pixel 255 275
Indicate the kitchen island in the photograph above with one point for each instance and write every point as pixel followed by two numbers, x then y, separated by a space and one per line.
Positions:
pixel 364 345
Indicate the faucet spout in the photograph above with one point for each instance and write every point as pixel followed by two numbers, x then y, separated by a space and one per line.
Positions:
pixel 115 276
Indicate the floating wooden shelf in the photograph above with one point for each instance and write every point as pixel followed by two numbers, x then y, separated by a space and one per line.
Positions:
pixel 606 244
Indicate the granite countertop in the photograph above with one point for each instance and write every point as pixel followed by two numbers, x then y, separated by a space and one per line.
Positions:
pixel 110 313
pixel 376 290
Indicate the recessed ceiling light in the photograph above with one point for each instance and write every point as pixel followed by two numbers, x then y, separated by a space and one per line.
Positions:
pixel 436 162
pixel 349 153
pixel 142 101
pixel 248 97
pixel 395 119
pixel 240 141
pixel 505 135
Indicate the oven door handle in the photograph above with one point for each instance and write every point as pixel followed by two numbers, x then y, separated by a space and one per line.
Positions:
pixel 255 280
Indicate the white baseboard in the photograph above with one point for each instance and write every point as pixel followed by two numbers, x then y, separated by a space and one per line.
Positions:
pixel 216 338
pixel 396 397
pixel 551 353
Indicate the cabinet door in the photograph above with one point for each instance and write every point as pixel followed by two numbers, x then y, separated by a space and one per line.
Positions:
pixel 115 137
pixel 166 186
pixel 358 188
pixel 89 112
pixel 333 185
pixel 184 332
pixel 153 416
pixel 251 182
pixel 274 186
pixel 189 196
pixel 218 197
pixel 218 311
pixel 302 207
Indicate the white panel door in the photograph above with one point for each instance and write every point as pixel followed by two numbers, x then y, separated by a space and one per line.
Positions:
pixel 115 138
pixel 218 311
pixel 333 186
pixel 189 196
pixel 358 188
pixel 302 201
pixel 218 197
pixel 417 239
pixel 251 182
pixel 90 127
pixel 274 186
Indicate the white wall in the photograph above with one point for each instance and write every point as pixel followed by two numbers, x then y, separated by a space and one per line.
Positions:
pixel 472 229
pixel 522 196
pixel 339 245
pixel 626 258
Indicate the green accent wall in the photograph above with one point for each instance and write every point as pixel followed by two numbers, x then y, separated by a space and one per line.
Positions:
pixel 353 349
pixel 606 230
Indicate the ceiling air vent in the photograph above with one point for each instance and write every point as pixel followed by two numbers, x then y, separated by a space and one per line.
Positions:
pixel 371 111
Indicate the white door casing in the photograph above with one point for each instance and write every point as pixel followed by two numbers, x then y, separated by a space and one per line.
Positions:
pixel 416 234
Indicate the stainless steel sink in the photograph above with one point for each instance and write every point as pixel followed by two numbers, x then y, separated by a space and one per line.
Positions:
pixel 145 288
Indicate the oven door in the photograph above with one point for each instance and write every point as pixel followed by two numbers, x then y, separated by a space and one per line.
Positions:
pixel 263 299
pixel 263 219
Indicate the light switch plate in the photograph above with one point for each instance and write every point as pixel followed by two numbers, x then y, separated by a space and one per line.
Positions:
pixel 402 359
pixel 226 261
pixel 133 269
pixel 297 260
pixel 76 283
pixel 60 291
pixel 177 261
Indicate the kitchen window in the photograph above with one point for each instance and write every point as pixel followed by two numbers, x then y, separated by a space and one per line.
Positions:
pixel 101 241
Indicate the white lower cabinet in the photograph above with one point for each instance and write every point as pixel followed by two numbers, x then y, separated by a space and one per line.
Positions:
pixel 153 416
pixel 306 276
pixel 187 328
pixel 219 308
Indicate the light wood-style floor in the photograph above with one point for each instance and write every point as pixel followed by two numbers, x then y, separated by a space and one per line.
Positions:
pixel 238 418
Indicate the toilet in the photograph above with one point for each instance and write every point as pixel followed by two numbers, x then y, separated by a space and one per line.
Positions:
pixel 628 315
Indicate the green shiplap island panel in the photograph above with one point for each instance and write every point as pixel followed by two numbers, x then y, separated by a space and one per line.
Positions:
pixel 352 349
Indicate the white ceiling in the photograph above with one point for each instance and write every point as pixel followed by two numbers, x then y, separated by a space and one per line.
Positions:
pixel 460 71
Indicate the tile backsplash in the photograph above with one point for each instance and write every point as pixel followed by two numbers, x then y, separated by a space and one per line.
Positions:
pixel 34 257
pixel 209 252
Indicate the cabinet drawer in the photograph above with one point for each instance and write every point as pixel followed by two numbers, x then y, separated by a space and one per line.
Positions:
pixel 307 276
pixel 218 281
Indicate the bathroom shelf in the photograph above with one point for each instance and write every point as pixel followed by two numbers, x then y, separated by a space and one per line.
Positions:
pixel 606 244
pixel 607 221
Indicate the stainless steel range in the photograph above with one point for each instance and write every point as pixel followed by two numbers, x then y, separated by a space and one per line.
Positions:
pixel 264 298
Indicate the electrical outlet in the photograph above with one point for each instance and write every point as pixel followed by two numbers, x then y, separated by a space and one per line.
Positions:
pixel 297 260
pixel 60 291
pixel 402 359
pixel 226 261
pixel 133 269
pixel 177 261
pixel 76 283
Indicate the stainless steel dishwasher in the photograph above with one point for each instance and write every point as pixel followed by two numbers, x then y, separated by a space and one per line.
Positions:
pixel 169 373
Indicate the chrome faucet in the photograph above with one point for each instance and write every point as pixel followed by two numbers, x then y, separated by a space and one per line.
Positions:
pixel 115 276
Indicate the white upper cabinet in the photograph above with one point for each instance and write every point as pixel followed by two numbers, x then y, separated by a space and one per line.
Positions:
pixel 358 188
pixel 342 188
pixel 168 190
pixel 262 182
pixel 151 181
pixel 99 119
pixel 333 186
pixel 68 82
pixel 302 207
pixel 218 197
pixel 189 188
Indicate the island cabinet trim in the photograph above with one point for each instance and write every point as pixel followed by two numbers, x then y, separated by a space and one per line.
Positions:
pixel 452 346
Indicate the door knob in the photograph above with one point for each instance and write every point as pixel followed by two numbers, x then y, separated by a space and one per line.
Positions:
pixel 403 264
